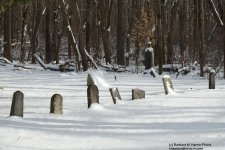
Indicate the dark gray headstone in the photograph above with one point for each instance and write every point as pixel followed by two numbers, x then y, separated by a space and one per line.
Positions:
pixel 138 94
pixel 115 94
pixel 212 79
pixel 148 59
pixel 17 104
pixel 93 95
pixel 90 80
pixel 56 104
pixel 167 83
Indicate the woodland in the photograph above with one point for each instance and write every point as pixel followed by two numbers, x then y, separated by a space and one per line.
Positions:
pixel 92 33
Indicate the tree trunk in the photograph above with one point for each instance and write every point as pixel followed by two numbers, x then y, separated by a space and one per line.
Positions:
pixel 95 33
pixel 88 25
pixel 37 12
pixel 182 19
pixel 170 34
pixel 201 33
pixel 24 22
pixel 159 38
pixel 69 41
pixel 48 43
pixel 81 40
pixel 195 36
pixel 224 40
pixel 105 11
pixel 7 34
pixel 120 34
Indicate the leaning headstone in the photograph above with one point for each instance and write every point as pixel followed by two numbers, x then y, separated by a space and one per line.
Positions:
pixel 138 94
pixel 212 79
pixel 92 94
pixel 90 80
pixel 17 104
pixel 167 83
pixel 56 104
pixel 115 94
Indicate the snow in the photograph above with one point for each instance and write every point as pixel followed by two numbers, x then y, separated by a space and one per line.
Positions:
pixel 150 49
pixel 193 118
pixel 166 76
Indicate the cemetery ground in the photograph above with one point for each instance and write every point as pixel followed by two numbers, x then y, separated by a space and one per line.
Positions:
pixel 192 116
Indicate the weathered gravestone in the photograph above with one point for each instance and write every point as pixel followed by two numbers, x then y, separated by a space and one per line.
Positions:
pixel 92 94
pixel 138 94
pixel 56 104
pixel 90 81
pixel 17 104
pixel 167 83
pixel 115 94
pixel 212 79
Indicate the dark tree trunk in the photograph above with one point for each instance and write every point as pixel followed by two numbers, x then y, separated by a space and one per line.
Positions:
pixel 130 27
pixel 170 34
pixel 182 19
pixel 120 34
pixel 37 12
pixel 105 11
pixel 88 25
pixel 195 36
pixel 95 33
pixel 159 37
pixel 81 40
pixel 24 22
pixel 70 41
pixel 7 34
pixel 55 30
pixel 48 43
pixel 201 33
pixel 224 39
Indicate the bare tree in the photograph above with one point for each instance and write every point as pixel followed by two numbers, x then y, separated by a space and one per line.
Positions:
pixel 7 34
pixel 48 42
pixel 201 33
pixel 120 33
pixel 23 30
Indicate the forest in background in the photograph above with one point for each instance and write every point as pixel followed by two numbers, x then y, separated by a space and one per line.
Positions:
pixel 114 32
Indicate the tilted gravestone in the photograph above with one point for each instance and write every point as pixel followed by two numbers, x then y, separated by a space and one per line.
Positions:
pixel 56 104
pixel 90 80
pixel 17 104
pixel 115 94
pixel 92 94
pixel 212 79
pixel 138 94
pixel 167 83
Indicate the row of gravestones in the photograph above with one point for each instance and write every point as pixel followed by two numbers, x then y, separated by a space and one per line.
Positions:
pixel 56 105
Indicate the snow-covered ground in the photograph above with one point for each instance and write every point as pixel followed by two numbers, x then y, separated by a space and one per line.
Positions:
pixel 191 118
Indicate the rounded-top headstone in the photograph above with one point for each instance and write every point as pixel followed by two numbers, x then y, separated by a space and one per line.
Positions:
pixel 17 104
pixel 56 104
pixel 212 79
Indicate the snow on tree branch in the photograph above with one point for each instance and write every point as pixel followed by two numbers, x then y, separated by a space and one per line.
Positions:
pixel 215 12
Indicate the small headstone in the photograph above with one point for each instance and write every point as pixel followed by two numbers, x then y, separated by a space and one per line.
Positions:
pixel 90 80
pixel 167 83
pixel 115 94
pixel 17 104
pixel 138 94
pixel 212 79
pixel 56 104
pixel 93 94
